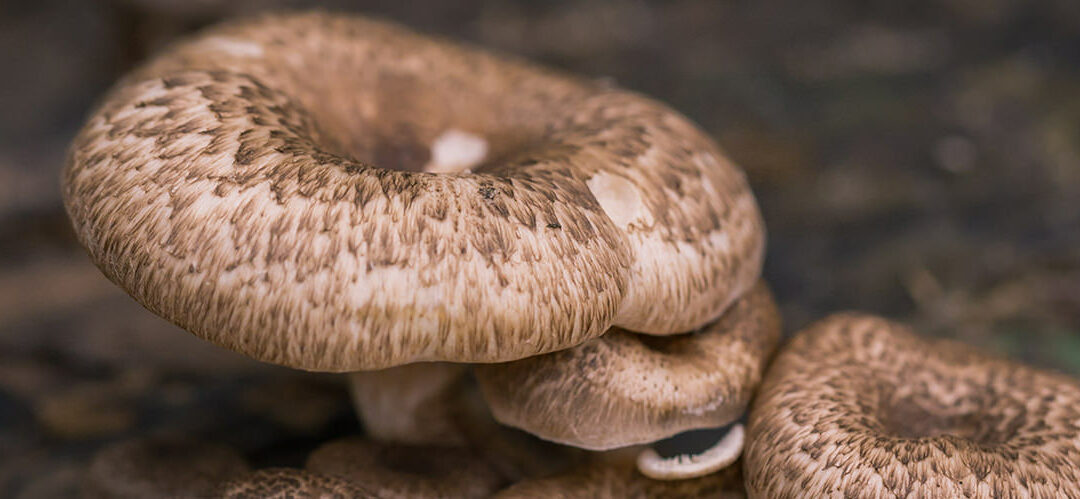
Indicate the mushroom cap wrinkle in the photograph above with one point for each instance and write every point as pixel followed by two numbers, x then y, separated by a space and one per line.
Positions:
pixel 858 406
pixel 261 185
pixel 623 389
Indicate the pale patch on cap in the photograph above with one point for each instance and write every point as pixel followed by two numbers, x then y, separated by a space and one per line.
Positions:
pixel 456 151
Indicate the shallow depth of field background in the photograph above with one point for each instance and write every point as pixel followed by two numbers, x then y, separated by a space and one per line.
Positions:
pixel 916 159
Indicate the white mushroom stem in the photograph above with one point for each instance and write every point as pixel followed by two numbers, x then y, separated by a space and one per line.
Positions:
pixel 411 404
pixel 684 466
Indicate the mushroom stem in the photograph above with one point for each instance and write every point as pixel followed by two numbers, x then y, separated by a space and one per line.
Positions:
pixel 684 466
pixel 413 404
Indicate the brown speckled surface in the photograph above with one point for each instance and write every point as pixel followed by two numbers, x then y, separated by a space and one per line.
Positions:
pixel 221 186
pixel 624 389
pixel 862 407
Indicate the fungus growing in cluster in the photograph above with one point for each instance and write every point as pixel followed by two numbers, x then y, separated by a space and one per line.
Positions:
pixel 858 406
pixel 333 193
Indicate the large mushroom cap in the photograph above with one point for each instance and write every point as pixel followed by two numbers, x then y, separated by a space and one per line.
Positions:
pixel 623 388
pixel 269 185
pixel 857 406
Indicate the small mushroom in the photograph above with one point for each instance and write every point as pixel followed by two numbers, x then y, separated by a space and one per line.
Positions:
pixel 620 480
pixel 858 406
pixel 624 389
pixel 161 467
pixel 287 483
pixel 400 471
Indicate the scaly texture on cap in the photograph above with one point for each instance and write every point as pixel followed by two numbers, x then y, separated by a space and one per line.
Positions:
pixel 292 483
pixel 858 406
pixel 620 481
pixel 161 467
pixel 624 388
pixel 268 185
pixel 401 471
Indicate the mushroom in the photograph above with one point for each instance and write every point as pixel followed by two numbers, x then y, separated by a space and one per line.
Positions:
pixel 620 480
pixel 406 471
pixel 161 467
pixel 333 193
pixel 285 483
pixel 858 406
pixel 253 185
pixel 624 389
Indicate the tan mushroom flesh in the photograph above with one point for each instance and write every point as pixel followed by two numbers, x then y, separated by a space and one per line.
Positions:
pixel 334 193
pixel 624 388
pixel 401 471
pixel 858 406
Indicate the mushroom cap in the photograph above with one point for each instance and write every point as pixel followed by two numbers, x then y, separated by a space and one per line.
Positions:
pixel 240 185
pixel 623 388
pixel 862 407
pixel 403 471
pixel 285 483
pixel 621 480
pixel 161 467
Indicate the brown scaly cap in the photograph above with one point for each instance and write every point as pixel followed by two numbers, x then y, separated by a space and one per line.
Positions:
pixel 288 483
pixel 621 480
pixel 624 388
pixel 858 406
pixel 161 467
pixel 268 186
pixel 402 471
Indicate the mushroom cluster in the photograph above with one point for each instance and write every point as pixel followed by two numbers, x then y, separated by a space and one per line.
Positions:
pixel 448 226
pixel 334 193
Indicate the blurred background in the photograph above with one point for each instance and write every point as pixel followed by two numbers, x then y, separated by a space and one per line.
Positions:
pixel 916 159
